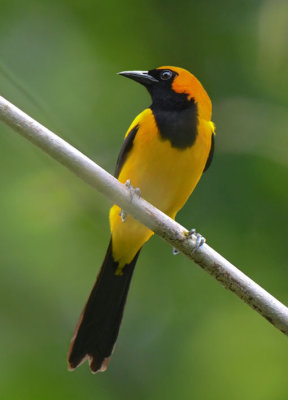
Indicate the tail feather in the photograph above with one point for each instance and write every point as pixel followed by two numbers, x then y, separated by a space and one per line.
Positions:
pixel 100 321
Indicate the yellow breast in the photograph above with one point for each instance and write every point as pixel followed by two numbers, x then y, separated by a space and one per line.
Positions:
pixel 165 175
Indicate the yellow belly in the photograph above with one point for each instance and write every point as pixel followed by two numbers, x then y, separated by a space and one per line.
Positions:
pixel 165 175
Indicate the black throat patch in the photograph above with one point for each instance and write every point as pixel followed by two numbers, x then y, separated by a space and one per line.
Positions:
pixel 179 124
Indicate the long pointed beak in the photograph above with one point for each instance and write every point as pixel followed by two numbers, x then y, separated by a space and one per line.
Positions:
pixel 139 76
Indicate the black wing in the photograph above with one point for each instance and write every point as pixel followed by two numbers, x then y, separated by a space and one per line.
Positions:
pixel 210 157
pixel 125 149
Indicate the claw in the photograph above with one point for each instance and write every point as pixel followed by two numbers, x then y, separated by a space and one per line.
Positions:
pixel 138 192
pixel 192 232
pixel 199 241
pixel 128 184
pixel 175 251
pixel 123 215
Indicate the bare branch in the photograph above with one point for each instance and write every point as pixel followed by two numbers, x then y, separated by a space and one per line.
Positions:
pixel 207 258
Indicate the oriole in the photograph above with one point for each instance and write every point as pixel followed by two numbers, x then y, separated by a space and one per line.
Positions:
pixel 166 149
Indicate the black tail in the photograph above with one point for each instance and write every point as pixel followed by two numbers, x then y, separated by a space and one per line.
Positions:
pixel 99 323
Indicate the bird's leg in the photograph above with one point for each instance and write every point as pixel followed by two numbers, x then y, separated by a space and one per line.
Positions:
pixel 133 191
pixel 200 240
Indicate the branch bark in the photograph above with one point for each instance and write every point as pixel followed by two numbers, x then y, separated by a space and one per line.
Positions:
pixel 207 258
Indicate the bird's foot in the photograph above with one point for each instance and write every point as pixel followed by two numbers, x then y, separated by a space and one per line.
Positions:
pixel 133 191
pixel 200 240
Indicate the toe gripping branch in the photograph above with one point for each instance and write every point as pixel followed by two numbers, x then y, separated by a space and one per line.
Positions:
pixel 200 240
pixel 192 234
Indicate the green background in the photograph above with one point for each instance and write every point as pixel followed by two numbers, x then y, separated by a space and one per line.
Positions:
pixel 183 335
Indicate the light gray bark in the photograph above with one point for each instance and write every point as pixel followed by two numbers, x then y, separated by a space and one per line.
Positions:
pixel 207 258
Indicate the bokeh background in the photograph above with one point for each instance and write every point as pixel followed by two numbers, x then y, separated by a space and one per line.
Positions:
pixel 183 335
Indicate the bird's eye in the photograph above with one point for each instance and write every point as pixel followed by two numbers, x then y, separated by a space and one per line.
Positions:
pixel 166 74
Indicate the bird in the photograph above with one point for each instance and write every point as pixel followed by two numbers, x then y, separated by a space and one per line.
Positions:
pixel 165 151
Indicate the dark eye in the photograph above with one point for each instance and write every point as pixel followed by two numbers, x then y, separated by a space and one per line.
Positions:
pixel 166 74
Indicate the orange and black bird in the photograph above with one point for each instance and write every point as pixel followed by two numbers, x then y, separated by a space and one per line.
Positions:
pixel 165 151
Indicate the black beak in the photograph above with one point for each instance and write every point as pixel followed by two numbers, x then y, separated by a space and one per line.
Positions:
pixel 139 76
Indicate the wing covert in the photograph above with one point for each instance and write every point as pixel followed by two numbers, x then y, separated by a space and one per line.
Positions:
pixel 125 149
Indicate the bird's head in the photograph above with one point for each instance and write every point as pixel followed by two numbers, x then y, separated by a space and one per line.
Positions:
pixel 173 88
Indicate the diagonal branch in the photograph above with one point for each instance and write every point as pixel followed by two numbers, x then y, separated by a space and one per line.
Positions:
pixel 207 258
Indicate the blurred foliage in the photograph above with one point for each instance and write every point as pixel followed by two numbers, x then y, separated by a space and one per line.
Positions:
pixel 183 336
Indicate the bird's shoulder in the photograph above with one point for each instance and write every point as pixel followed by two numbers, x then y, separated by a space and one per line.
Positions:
pixel 143 122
